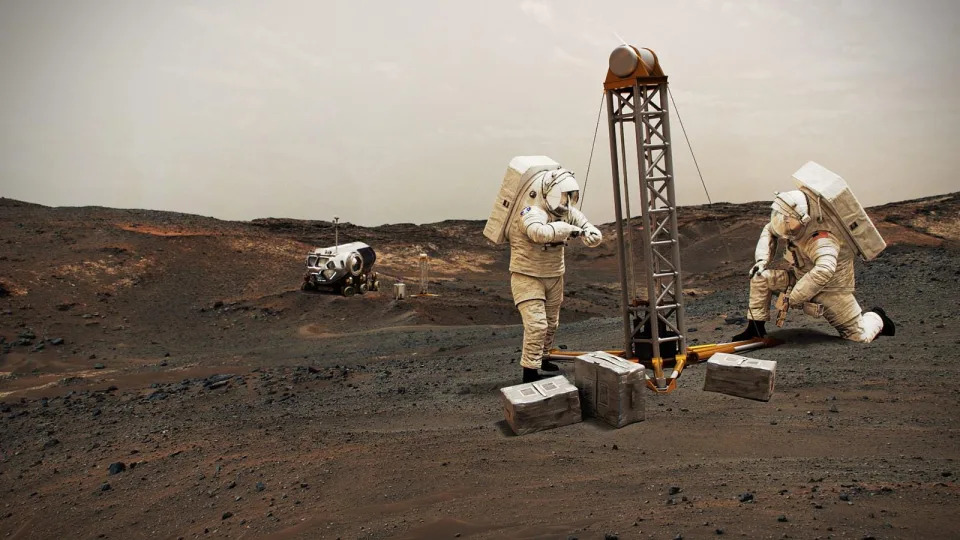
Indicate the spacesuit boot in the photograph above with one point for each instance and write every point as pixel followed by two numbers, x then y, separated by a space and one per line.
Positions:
pixel 531 375
pixel 547 365
pixel 889 328
pixel 754 329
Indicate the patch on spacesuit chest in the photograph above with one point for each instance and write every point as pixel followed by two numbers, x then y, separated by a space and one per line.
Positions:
pixel 524 211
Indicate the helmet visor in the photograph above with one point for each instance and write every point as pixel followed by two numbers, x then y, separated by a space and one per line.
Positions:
pixel 561 192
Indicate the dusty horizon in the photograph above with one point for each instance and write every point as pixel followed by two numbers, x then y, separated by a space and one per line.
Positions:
pixel 387 224
pixel 410 113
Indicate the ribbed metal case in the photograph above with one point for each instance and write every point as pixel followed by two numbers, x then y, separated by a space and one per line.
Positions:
pixel 611 388
pixel 740 376
pixel 540 405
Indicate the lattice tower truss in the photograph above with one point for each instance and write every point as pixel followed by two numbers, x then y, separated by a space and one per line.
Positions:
pixel 638 113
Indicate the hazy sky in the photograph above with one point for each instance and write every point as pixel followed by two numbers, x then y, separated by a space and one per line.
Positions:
pixel 409 111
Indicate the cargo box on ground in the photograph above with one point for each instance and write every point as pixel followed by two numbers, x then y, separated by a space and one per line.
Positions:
pixel 545 404
pixel 611 388
pixel 740 376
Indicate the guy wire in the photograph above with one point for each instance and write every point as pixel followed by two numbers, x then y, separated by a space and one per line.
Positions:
pixel 593 145
pixel 709 200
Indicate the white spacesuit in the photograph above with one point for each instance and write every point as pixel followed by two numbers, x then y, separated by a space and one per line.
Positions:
pixel 821 272
pixel 537 237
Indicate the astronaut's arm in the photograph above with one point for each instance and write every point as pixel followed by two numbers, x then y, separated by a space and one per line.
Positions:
pixel 591 235
pixel 766 246
pixel 539 231
pixel 826 251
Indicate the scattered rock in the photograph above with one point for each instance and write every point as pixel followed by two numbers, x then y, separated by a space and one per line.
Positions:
pixel 782 518
pixel 226 515
pixel 98 365
pixel 844 497
pixel 117 468
pixel 105 486
pixel 56 341
pixel 674 490
pixel 746 497
pixel 261 486
pixel 50 443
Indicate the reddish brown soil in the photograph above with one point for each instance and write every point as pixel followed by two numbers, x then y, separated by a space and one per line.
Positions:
pixel 242 407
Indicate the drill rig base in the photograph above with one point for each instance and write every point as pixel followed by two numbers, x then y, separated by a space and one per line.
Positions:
pixel 696 354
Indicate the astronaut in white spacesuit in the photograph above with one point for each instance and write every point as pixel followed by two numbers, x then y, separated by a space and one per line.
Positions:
pixel 821 272
pixel 537 237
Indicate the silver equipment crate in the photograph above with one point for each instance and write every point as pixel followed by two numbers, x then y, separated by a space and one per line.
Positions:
pixel 611 388
pixel 740 376
pixel 545 404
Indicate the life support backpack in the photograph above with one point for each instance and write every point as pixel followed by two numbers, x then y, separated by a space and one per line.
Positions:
pixel 520 175
pixel 831 202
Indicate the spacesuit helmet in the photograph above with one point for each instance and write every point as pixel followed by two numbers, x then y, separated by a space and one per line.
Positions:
pixel 559 190
pixel 789 215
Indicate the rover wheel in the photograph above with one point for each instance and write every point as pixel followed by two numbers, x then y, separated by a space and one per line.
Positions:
pixel 306 286
pixel 349 291
pixel 362 288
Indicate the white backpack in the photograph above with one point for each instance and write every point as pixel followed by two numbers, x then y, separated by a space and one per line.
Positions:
pixel 521 173
pixel 829 197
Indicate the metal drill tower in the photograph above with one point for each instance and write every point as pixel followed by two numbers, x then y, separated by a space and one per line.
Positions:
pixel 638 113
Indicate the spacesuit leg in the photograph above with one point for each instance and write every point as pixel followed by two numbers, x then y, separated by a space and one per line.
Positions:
pixel 762 287
pixel 534 317
pixel 554 293
pixel 844 313
pixel 530 295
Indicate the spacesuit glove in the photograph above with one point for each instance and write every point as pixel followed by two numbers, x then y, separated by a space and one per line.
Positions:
pixel 592 236
pixel 758 268
pixel 563 230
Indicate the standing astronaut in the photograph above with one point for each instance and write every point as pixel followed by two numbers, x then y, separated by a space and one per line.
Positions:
pixel 821 272
pixel 537 237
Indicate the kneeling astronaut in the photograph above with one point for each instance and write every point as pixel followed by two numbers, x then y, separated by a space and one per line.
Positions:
pixel 821 272
pixel 537 237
